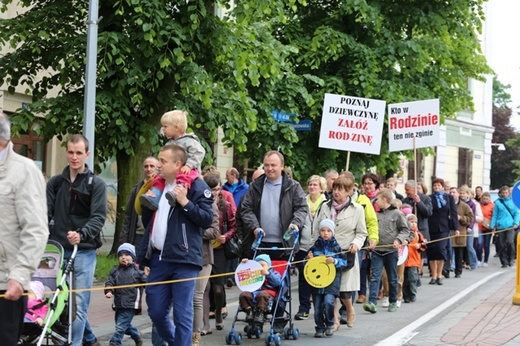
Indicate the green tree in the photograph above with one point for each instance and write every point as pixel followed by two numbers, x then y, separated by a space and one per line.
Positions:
pixel 232 72
pixel 153 56
pixel 397 51
pixel 503 163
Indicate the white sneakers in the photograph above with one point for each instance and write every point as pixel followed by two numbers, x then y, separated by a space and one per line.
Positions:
pixel 386 302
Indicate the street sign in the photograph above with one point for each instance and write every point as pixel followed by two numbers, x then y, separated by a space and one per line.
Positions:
pixel 303 125
pixel 515 194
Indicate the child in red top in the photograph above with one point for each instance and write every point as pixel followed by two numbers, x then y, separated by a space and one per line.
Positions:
pixel 411 271
pixel 36 307
pixel 174 125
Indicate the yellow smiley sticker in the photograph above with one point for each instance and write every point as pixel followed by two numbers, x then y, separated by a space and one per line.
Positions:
pixel 318 273
pixel 215 244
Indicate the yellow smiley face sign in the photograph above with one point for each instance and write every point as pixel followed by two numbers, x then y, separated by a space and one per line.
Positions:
pixel 318 273
pixel 215 243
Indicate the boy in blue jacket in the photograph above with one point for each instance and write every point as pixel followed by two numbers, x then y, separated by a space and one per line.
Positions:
pixel 127 300
pixel 323 298
pixel 260 297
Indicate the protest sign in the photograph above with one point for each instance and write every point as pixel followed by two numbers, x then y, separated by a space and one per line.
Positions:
pixel 352 124
pixel 413 124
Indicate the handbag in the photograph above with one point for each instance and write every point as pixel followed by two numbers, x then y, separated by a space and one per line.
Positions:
pixel 486 223
pixel 232 246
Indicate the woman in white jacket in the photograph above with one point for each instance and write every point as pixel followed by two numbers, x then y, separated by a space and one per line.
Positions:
pixel 351 232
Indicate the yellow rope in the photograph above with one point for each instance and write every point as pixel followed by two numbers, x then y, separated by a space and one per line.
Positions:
pixel 226 274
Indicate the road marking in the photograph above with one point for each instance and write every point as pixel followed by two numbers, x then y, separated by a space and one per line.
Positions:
pixel 407 333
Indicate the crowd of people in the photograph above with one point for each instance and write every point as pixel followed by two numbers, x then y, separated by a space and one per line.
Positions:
pixel 179 218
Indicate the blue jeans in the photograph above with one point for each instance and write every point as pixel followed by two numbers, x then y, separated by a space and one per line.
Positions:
pixel 323 311
pixel 156 338
pixel 88 334
pixel 472 254
pixel 389 261
pixel 124 326
pixel 84 267
pixel 477 245
pixel 160 299
pixel 487 245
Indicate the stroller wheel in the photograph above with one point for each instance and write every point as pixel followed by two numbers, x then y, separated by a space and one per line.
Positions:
pixel 277 339
pixel 238 338
pixel 267 339
pixel 229 338
pixel 296 334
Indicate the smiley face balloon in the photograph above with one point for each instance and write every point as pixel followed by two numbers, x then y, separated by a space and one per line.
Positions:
pixel 318 273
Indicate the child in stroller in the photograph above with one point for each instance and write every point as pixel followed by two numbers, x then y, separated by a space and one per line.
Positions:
pixel 255 303
pixel 37 307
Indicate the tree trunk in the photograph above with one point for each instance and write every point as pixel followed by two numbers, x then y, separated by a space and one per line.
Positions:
pixel 129 173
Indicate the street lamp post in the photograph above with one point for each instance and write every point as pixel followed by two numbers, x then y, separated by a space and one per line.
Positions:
pixel 89 108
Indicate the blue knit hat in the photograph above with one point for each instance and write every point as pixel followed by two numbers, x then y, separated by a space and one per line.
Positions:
pixel 329 224
pixel 264 258
pixel 127 247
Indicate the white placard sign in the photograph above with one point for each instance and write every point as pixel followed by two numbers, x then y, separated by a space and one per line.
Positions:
pixel 419 119
pixel 352 124
pixel 248 276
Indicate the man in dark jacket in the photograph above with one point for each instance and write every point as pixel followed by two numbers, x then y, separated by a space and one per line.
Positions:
pixel 272 205
pixel 172 248
pixel 421 206
pixel 77 209
pixel 133 228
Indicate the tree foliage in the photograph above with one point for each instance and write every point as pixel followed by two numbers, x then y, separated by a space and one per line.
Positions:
pixel 503 163
pixel 397 51
pixel 231 72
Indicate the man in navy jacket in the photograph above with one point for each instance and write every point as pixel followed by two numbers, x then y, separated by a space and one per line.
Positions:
pixel 172 248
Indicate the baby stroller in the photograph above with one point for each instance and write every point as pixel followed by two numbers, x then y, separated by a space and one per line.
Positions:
pixel 279 308
pixel 52 272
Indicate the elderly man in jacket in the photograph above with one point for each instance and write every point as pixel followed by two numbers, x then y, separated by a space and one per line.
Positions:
pixel 23 232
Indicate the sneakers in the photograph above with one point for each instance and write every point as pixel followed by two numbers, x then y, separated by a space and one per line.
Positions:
pixel 139 340
pixel 301 316
pixel 361 299
pixel 148 202
pixel 95 343
pixel 370 307
pixel 484 265
pixel 319 335
pixel 249 315
pixel 343 319
pixel 398 303
pixel 392 307
pixel 385 302
pixel 172 200
pixel 329 331
pixel 259 317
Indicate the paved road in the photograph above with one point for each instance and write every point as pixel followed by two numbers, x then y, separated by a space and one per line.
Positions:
pixel 473 310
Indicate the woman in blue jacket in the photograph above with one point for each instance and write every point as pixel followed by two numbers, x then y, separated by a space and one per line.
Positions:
pixel 505 220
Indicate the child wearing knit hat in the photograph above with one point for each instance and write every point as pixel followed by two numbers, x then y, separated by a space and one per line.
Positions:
pixel 323 298
pixel 412 263
pixel 127 299
pixel 36 306
pixel 269 289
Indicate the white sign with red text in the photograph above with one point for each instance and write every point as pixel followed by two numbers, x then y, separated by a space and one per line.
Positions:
pixel 409 120
pixel 352 124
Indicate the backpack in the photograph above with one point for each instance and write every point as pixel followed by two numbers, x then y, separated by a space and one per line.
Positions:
pixel 90 187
